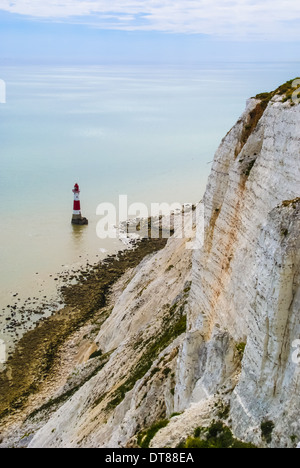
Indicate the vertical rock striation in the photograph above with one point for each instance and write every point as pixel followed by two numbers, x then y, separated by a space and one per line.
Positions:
pixel 217 325
pixel 245 280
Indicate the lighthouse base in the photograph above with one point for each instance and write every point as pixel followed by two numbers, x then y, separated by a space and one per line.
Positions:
pixel 79 221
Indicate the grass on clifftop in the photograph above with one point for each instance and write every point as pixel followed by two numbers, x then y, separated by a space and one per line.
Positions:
pixel 286 90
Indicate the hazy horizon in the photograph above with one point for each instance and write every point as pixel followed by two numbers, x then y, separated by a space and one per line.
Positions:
pixel 135 31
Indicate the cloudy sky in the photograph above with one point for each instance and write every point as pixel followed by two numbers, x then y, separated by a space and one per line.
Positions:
pixel 266 28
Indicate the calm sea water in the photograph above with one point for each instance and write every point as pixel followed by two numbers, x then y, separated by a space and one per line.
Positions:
pixel 146 131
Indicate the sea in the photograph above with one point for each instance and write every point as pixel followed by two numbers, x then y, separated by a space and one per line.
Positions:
pixel 147 132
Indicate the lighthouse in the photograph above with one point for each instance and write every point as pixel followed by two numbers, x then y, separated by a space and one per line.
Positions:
pixel 77 218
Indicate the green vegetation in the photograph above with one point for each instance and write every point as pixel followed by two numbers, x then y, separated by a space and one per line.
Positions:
pixel 224 411
pixel 267 428
pixel 198 431
pixel 96 354
pixel 144 438
pixel 154 371
pixel 28 434
pixel 166 371
pixel 217 435
pixel 286 90
pixel 175 414
pixel 249 168
pixel 240 347
pixel 173 325
pixel 187 287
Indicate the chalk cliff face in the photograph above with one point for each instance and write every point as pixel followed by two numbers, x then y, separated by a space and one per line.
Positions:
pixel 245 280
pixel 195 330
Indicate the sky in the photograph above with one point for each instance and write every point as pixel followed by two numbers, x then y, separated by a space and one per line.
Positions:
pixel 149 30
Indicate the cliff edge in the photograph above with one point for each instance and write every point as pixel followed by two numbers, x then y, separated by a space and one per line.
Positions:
pixel 203 334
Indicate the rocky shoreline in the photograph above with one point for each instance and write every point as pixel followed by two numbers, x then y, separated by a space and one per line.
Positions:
pixel 36 354
pixel 191 346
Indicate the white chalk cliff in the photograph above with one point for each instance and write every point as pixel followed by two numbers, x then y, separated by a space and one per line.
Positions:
pixel 238 291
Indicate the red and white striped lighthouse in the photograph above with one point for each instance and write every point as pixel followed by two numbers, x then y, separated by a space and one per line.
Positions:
pixel 77 218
